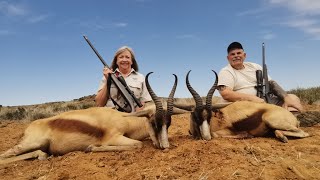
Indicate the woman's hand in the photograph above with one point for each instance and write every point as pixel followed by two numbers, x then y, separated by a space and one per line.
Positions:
pixel 140 108
pixel 106 72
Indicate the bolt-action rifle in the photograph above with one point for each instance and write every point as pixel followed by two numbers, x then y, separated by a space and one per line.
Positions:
pixel 120 83
pixel 263 88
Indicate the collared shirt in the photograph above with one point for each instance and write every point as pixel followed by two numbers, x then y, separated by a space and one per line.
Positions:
pixel 136 83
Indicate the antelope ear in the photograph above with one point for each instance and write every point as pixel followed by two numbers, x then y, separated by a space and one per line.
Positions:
pixel 142 113
pixel 220 105
pixel 188 107
pixel 179 111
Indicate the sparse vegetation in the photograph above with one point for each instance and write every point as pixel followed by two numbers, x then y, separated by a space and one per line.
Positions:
pixel 307 95
pixel 33 112
pixel 39 111
pixel 13 114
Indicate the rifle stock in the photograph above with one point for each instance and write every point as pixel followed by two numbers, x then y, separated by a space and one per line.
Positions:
pixel 121 79
pixel 259 86
pixel 125 94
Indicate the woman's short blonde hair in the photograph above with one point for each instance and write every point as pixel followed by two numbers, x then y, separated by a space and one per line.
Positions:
pixel 119 51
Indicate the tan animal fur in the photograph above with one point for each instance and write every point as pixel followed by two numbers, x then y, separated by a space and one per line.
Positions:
pixel 95 129
pixel 239 119
pixel 248 119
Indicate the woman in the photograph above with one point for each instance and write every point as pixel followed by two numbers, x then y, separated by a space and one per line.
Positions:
pixel 124 64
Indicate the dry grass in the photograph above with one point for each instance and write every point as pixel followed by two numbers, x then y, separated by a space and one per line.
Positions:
pixel 33 112
pixel 307 95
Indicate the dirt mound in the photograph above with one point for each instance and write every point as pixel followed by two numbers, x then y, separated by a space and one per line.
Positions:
pixel 256 158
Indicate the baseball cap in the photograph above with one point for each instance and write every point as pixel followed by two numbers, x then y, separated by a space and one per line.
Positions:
pixel 234 45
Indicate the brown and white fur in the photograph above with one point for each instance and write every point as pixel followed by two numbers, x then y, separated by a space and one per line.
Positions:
pixel 244 119
pixel 95 129
pixel 240 119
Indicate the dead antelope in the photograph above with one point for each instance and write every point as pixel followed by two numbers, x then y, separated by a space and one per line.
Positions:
pixel 96 129
pixel 240 119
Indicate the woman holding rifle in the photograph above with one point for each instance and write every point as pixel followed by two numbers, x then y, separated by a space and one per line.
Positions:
pixel 124 64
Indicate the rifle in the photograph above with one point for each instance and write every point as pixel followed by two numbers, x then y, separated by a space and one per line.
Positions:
pixel 120 83
pixel 263 89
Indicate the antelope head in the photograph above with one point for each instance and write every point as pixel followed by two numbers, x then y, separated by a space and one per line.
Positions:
pixel 201 112
pixel 159 115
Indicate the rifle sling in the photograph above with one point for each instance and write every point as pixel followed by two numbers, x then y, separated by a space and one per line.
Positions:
pixel 277 90
pixel 117 106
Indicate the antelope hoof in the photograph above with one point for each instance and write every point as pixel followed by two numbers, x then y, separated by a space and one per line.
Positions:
pixel 281 136
pixel 42 156
pixel 165 150
pixel 284 139
pixel 89 148
pixel 157 145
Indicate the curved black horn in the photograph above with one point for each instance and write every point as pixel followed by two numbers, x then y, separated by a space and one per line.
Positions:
pixel 195 95
pixel 157 101
pixel 170 98
pixel 210 93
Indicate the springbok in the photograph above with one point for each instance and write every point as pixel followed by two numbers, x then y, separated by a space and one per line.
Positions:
pixel 240 119
pixel 96 129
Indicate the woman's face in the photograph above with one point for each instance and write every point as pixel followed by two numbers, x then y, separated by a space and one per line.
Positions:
pixel 124 60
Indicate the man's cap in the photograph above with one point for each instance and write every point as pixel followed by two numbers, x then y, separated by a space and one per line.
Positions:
pixel 234 45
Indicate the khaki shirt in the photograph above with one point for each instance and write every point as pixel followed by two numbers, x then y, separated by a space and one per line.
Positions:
pixel 243 81
pixel 136 83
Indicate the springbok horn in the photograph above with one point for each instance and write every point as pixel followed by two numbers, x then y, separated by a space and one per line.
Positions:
pixel 210 93
pixel 170 98
pixel 195 95
pixel 157 101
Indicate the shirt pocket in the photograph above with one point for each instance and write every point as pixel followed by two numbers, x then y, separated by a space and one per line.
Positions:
pixel 136 88
pixel 114 92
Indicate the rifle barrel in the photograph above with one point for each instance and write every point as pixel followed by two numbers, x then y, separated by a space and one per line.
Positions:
pixel 265 76
pixel 263 54
pixel 96 52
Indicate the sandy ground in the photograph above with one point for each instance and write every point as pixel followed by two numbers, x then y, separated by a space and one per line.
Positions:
pixel 256 158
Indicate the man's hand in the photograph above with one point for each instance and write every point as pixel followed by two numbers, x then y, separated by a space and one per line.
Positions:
pixel 292 103
pixel 256 99
pixel 229 95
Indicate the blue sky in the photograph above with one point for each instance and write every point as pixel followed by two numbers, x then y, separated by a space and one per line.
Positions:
pixel 44 57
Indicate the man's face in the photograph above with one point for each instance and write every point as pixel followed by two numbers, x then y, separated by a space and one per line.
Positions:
pixel 236 58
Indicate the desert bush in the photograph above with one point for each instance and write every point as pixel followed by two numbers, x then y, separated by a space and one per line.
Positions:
pixel 87 105
pixel 13 114
pixel 39 115
pixel 71 107
pixel 307 95
pixel 39 111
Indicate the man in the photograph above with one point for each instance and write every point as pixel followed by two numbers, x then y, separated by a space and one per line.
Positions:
pixel 237 82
